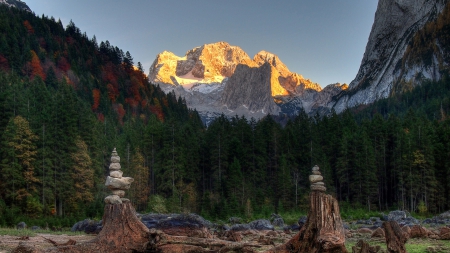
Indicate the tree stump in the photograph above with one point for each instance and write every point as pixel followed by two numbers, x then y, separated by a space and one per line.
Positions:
pixel 395 238
pixel 364 247
pixel 122 232
pixel 323 231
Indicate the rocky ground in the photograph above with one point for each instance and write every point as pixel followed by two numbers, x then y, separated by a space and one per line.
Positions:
pixel 430 235
pixel 265 239
pixel 8 242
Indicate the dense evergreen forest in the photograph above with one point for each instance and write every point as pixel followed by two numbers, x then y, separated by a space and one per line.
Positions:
pixel 67 101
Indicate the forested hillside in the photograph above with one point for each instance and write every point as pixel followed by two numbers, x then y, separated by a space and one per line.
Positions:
pixel 67 101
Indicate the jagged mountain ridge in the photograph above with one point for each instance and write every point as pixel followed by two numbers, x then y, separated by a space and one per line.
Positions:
pixel 382 67
pixel 17 4
pixel 219 78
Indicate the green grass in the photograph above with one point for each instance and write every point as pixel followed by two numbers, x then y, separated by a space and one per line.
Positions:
pixel 28 232
pixel 412 246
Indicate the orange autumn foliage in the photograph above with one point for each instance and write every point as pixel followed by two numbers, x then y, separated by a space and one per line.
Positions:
pixel 120 113
pixel 96 97
pixel 28 26
pixel 113 92
pixel 36 68
pixel 63 64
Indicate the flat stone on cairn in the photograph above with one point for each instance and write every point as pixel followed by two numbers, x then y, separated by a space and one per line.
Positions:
pixel 115 182
pixel 316 180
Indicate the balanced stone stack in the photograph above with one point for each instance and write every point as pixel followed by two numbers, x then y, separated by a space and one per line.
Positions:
pixel 115 182
pixel 316 180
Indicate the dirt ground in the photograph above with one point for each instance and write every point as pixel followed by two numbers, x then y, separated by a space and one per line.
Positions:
pixel 8 243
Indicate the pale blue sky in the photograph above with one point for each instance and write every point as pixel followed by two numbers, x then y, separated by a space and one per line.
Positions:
pixel 324 40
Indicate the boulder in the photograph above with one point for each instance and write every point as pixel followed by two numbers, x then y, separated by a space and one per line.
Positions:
pixel 21 225
pixel 407 231
pixel 364 231
pixel 403 218
pixel 444 233
pixel 178 224
pixel 88 226
pixel 261 225
pixel 35 228
pixel 418 232
pixel 277 220
pixel 378 233
pixel 397 215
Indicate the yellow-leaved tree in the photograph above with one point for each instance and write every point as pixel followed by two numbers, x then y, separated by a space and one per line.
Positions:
pixel 140 189
pixel 19 181
pixel 82 174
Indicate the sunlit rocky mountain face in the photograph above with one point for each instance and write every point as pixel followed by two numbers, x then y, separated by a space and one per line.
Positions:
pixel 220 78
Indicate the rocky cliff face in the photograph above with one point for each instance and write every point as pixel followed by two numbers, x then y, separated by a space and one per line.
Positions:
pixel 395 24
pixel 16 3
pixel 220 78
pixel 257 93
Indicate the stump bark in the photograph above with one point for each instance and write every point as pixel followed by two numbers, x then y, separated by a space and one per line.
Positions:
pixel 395 238
pixel 122 232
pixel 323 231
pixel 364 247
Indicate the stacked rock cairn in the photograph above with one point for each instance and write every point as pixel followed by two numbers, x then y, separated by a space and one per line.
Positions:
pixel 316 180
pixel 115 182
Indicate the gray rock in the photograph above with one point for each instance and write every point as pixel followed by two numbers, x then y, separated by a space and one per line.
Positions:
pixel 116 173
pixel 88 226
pixel 277 220
pixel 114 166
pixel 302 220
pixel 21 225
pixel 113 199
pixel 115 159
pixel 160 221
pixel 397 215
pixel 315 178
pixel 261 225
pixel 123 183
pixel 403 218
pixel 35 228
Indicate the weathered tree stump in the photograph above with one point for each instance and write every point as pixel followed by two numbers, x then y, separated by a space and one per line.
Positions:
pixel 122 232
pixel 323 231
pixel 395 238
pixel 364 247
